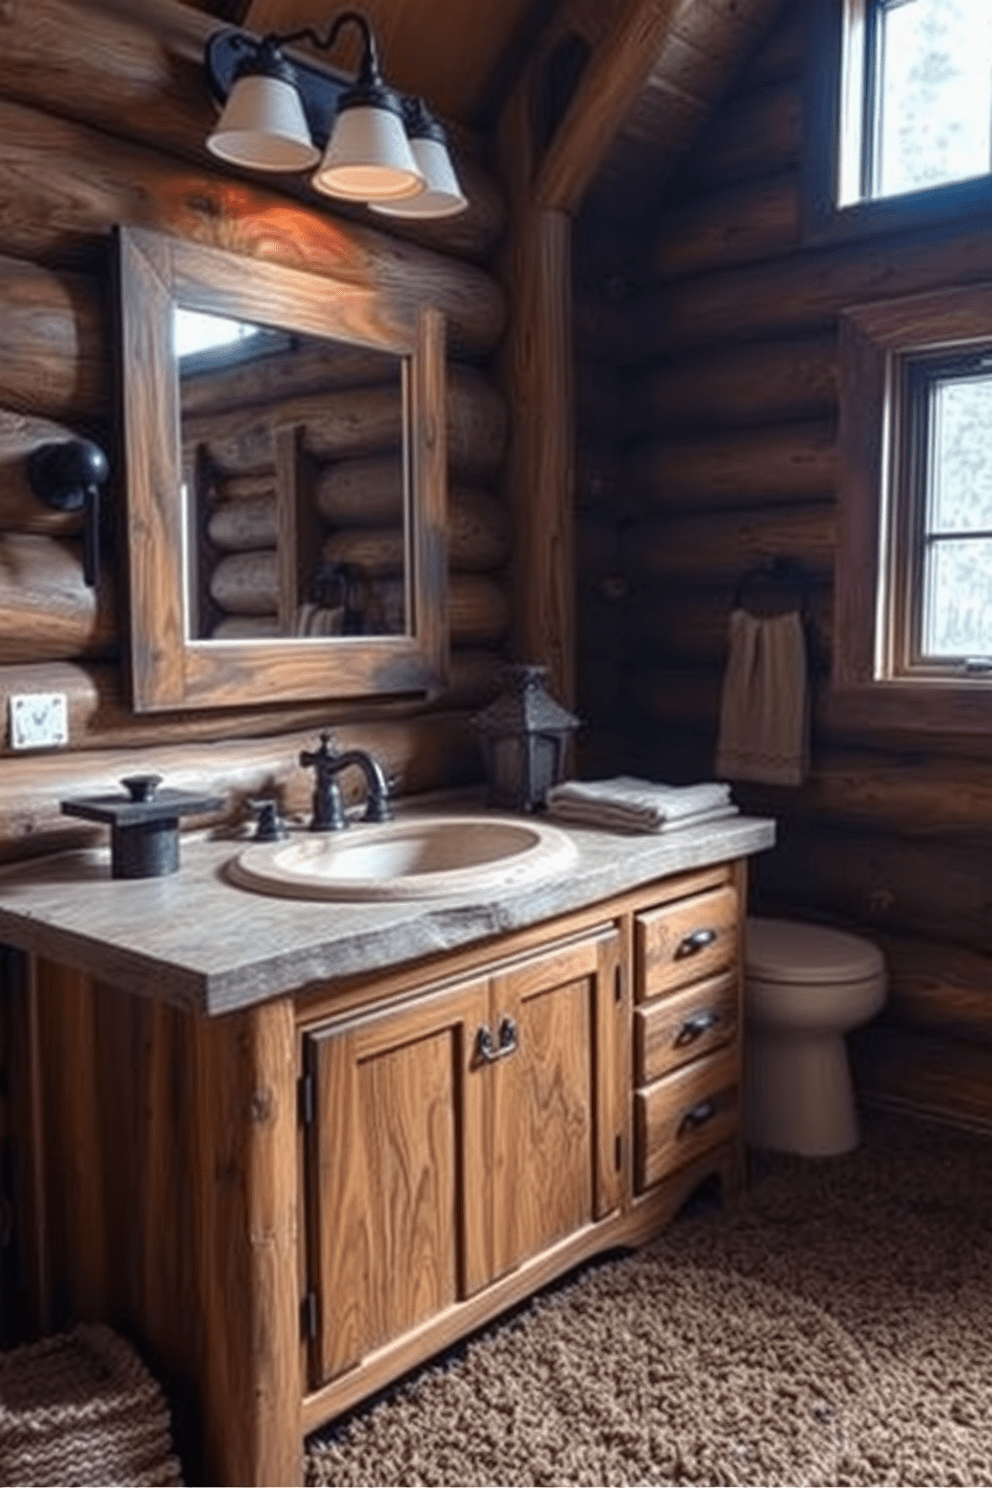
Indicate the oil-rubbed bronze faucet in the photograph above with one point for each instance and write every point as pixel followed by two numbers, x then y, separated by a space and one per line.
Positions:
pixel 327 763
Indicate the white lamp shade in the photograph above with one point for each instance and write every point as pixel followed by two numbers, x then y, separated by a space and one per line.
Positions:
pixel 263 126
pixel 442 196
pixel 368 157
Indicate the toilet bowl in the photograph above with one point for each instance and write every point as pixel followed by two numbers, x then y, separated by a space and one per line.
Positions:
pixel 804 988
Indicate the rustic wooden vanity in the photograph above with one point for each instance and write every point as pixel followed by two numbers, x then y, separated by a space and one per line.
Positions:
pixel 294 1149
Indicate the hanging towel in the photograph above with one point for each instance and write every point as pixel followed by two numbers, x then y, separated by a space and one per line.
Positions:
pixel 639 805
pixel 764 709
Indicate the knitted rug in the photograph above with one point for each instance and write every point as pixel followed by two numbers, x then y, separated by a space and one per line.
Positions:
pixel 836 1329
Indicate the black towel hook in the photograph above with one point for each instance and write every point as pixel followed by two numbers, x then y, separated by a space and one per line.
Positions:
pixel 67 475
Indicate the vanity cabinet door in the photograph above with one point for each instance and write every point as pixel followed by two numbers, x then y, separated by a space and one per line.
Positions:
pixel 398 1124
pixel 457 1134
pixel 557 1112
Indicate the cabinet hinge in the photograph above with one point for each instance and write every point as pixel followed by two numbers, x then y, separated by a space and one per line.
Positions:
pixel 308 1315
pixel 306 1099
pixel 618 1152
pixel 618 983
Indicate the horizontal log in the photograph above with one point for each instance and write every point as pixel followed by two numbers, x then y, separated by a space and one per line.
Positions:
pixel 55 357
pixel 933 888
pixel 753 134
pixel 918 1073
pixel 47 611
pixel 431 752
pixel 254 485
pixel 310 367
pixel 137 77
pixel 82 183
pixel 478 610
pixel 720 547
pixel 796 462
pixel 764 383
pixel 357 493
pixel 937 986
pixel 247 583
pixel 688 626
pixel 100 716
pixel 478 539
pixel 803 293
pixel 901 796
pixel 238 526
pixel 375 552
pixel 741 225
pixel 354 423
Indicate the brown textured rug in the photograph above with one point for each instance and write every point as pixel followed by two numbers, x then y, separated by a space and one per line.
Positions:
pixel 837 1329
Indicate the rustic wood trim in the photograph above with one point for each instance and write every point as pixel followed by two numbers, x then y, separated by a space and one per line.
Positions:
pixel 168 669
pixel 871 338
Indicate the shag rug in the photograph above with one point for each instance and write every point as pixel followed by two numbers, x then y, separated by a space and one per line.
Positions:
pixel 836 1329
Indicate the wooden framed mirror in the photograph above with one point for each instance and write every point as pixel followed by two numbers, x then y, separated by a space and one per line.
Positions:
pixel 285 468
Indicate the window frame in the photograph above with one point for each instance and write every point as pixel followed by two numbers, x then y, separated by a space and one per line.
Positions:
pixel 871 685
pixel 836 104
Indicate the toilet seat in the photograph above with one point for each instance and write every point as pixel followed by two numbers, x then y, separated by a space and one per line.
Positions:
pixel 787 951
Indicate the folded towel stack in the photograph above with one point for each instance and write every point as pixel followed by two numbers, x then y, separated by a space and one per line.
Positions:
pixel 633 805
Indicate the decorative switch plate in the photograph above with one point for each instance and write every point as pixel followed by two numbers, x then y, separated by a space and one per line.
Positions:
pixel 38 720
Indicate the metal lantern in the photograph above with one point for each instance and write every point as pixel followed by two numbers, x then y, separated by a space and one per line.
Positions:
pixel 523 736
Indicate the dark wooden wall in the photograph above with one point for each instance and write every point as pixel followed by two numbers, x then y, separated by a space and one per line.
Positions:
pixel 708 377
pixel 102 121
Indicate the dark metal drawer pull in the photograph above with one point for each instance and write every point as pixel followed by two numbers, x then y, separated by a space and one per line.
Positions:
pixel 697 941
pixel 697 1116
pixel 696 1026
pixel 487 1051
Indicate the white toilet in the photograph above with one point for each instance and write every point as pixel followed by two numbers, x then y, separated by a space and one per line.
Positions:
pixel 804 988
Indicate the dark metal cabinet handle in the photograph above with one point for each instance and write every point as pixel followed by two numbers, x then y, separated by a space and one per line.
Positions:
pixel 697 941
pixel 488 1050
pixel 697 1116
pixel 694 1027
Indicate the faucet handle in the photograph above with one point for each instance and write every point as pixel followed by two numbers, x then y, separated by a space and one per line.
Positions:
pixel 270 826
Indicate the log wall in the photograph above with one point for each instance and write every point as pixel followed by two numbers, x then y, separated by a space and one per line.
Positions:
pixel 102 121
pixel 712 376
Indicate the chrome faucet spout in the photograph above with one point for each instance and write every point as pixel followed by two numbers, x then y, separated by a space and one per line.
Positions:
pixel 327 763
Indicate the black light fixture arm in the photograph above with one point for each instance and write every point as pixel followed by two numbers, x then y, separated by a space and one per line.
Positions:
pixel 67 476
pixel 368 72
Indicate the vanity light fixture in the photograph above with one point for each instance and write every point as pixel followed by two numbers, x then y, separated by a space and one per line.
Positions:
pixel 367 142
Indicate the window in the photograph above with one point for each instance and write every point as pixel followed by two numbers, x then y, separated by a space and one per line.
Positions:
pixel 899 102
pixel 917 96
pixel 914 555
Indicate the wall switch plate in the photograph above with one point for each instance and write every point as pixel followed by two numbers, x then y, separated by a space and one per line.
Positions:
pixel 38 720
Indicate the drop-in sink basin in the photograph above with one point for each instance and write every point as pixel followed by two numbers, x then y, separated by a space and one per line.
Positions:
pixel 427 857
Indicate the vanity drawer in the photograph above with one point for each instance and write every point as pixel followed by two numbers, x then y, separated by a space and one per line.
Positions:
pixel 685 1025
pixel 680 1117
pixel 684 941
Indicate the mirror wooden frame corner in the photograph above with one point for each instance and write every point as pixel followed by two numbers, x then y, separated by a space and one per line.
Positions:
pixel 169 670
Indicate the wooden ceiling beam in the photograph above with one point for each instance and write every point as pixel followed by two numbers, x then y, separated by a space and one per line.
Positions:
pixel 616 72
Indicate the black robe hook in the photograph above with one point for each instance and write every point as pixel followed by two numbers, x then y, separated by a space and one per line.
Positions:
pixel 68 477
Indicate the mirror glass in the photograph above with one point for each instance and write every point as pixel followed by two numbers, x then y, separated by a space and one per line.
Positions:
pixel 294 482
pixel 285 470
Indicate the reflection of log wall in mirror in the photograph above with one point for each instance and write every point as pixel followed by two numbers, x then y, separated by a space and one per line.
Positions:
pixel 300 504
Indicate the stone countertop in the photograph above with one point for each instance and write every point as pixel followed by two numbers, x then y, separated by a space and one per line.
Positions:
pixel 196 939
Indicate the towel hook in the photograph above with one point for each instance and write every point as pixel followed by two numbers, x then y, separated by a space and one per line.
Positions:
pixel 776 585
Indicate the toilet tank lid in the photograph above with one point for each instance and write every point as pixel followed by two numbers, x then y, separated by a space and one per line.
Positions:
pixel 787 951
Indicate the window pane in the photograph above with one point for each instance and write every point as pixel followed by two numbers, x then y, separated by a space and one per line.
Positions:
pixel 934 105
pixel 961 459
pixel 957 618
